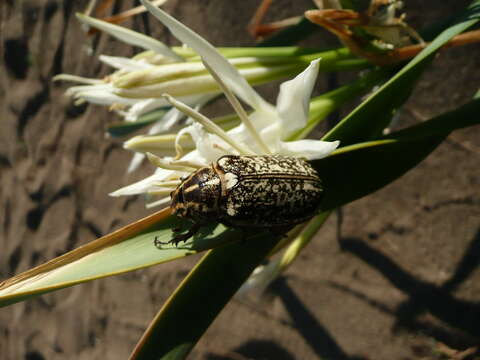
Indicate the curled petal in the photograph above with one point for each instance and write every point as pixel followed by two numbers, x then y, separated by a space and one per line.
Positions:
pixel 98 94
pixel 158 74
pixel 124 63
pixel 142 107
pixel 77 79
pixel 144 186
pixel 171 118
pixel 293 100
pixel 129 36
pixel 210 55
pixel 209 125
pixel 309 149
pixel 208 146
pixel 164 201
pixel 168 163
pixel 266 124
pixel 137 159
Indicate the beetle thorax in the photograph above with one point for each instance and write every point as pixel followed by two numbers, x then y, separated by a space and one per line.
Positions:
pixel 197 197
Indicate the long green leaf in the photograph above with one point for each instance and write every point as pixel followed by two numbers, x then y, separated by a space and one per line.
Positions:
pixel 132 248
pixel 358 170
pixel 200 297
pixel 134 245
pixel 362 125
pixel 127 249
pixel 349 174
pixel 373 115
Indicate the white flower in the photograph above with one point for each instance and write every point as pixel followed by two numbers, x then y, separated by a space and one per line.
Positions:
pixel 119 91
pixel 137 85
pixel 264 131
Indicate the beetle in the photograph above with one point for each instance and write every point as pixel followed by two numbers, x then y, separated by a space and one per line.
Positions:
pixel 270 192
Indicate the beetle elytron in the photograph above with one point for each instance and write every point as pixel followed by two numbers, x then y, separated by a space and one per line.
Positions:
pixel 249 191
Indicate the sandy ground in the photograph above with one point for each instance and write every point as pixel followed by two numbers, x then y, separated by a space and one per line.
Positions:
pixel 391 276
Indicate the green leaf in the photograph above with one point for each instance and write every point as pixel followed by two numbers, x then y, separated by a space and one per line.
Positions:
pixel 365 122
pixel 358 170
pixel 224 269
pixel 352 172
pixel 127 249
pixel 374 114
pixel 464 116
pixel 200 297
pixel 132 247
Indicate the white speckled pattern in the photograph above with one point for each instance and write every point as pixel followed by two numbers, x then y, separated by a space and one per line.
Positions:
pixel 244 191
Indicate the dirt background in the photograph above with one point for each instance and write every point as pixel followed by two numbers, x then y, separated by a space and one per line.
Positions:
pixel 391 276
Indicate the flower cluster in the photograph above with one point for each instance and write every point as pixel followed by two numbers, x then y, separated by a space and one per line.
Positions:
pixel 137 85
pixel 264 131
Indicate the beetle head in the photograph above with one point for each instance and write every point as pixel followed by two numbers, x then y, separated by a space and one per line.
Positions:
pixel 197 196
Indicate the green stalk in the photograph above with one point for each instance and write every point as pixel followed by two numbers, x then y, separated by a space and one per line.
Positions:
pixel 302 240
pixel 191 302
pixel 233 52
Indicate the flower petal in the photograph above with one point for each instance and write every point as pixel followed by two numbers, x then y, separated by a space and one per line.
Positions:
pixel 142 107
pixel 124 63
pixel 101 94
pixel 266 123
pixel 210 126
pixel 137 159
pixel 208 146
pixel 210 55
pixel 309 149
pixel 293 100
pixel 129 36
pixel 77 79
pixel 143 186
pixel 173 116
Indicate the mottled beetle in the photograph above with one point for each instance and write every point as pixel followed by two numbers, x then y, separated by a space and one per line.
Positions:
pixel 273 192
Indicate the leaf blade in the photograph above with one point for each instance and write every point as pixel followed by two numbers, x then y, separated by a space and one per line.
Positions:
pixel 127 249
pixel 358 170
pixel 179 349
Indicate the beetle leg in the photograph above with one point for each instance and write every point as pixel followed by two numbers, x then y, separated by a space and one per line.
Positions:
pixel 178 238
pixel 157 243
pixel 184 237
